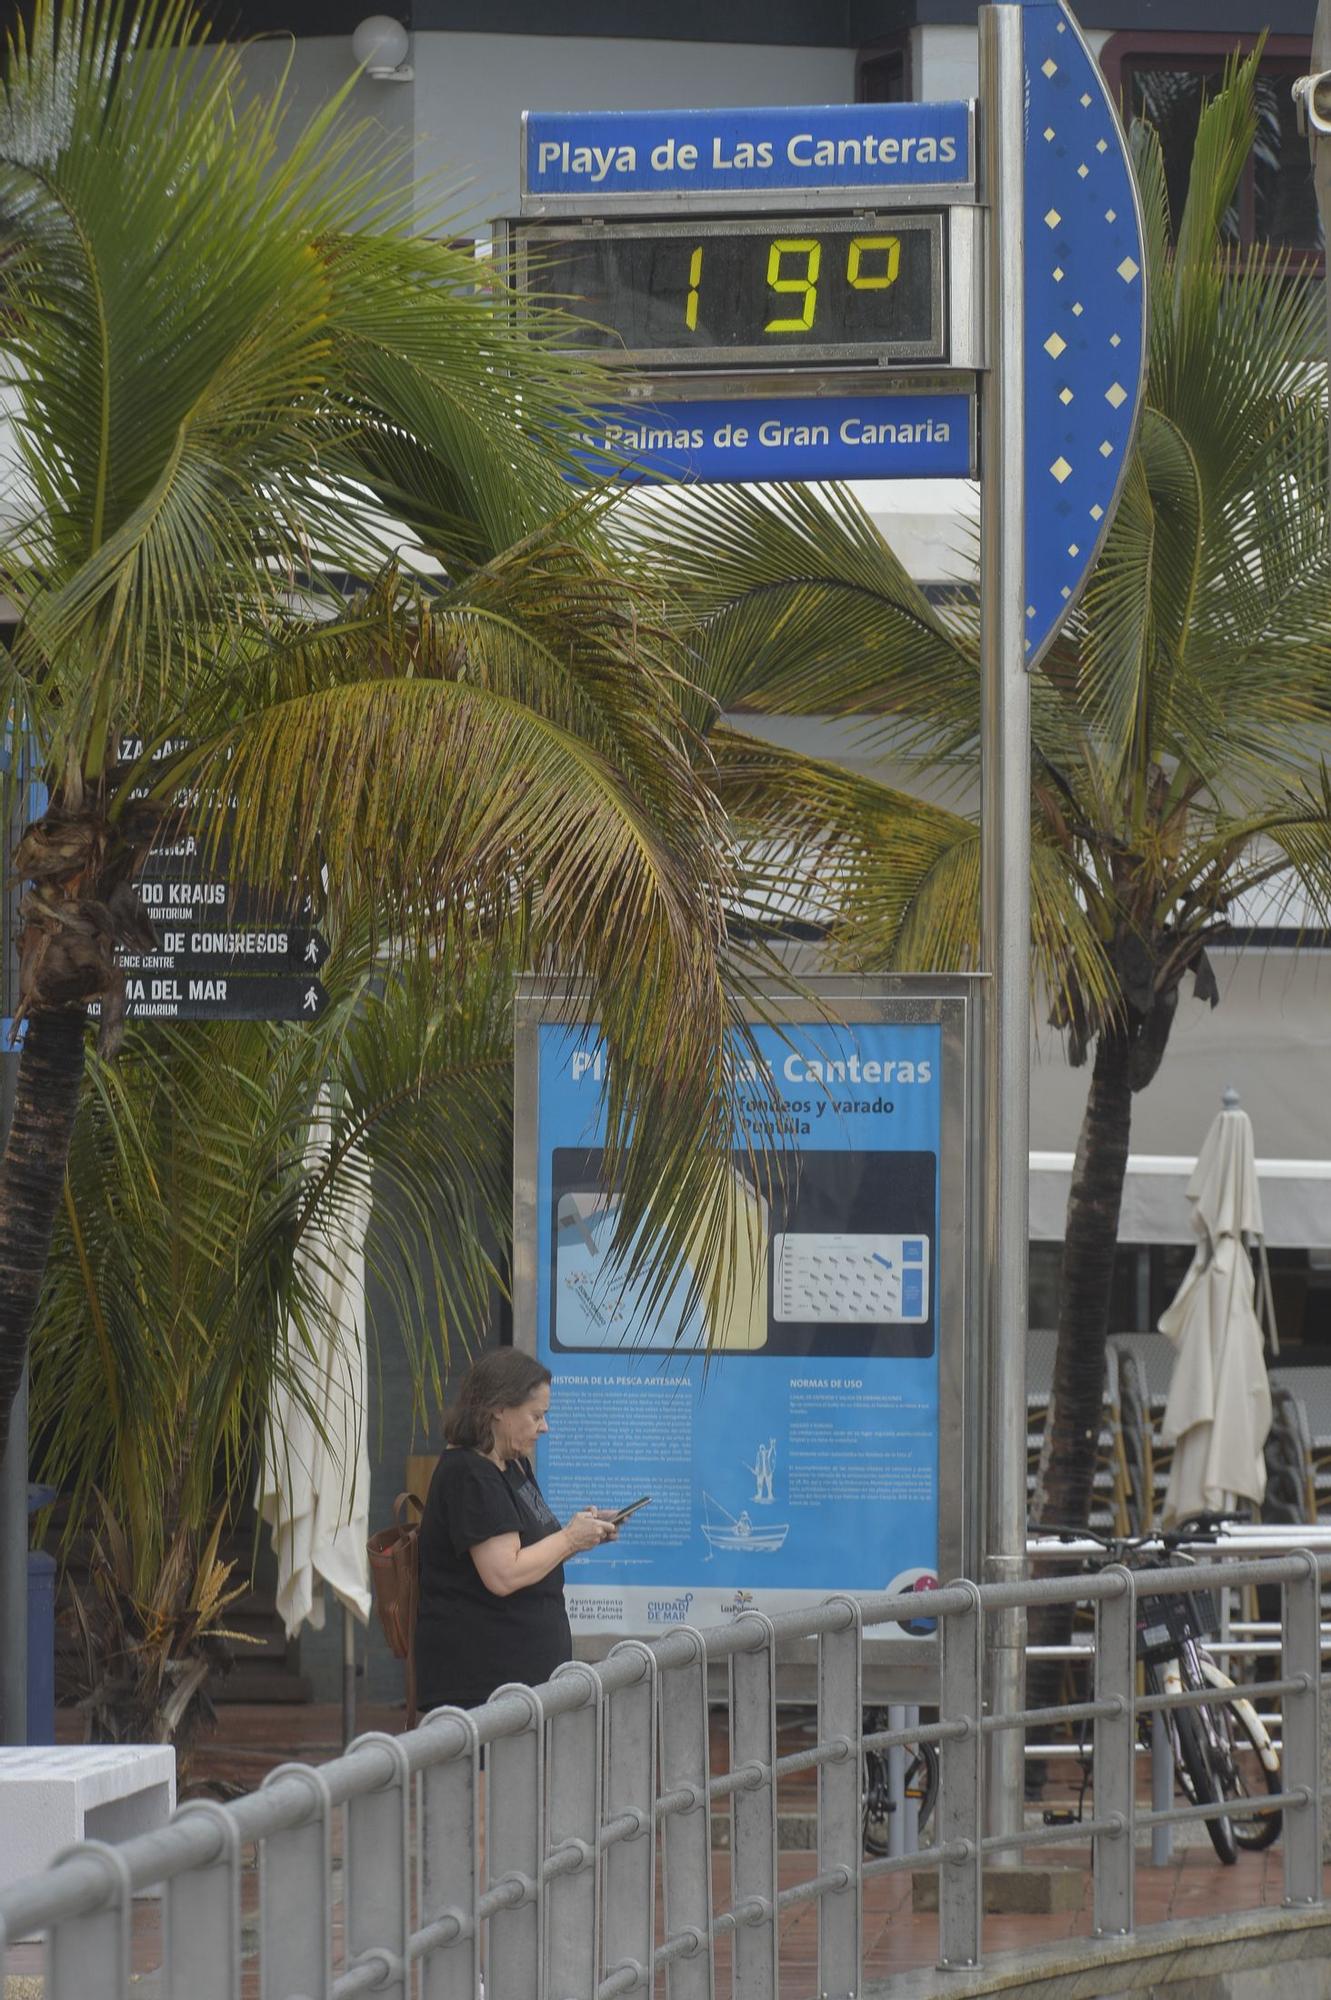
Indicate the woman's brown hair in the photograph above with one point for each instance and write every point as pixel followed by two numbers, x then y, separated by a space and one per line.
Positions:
pixel 500 1380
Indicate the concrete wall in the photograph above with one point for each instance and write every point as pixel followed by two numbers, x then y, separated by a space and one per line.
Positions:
pixel 460 117
pixel 1270 1037
pixel 471 91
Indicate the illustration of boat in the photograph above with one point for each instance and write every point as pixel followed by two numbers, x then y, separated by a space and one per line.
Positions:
pixel 741 1535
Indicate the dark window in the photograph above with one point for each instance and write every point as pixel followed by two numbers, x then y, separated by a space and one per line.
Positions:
pixel 1167 79
pixel 1126 1300
pixel 1146 1278
pixel 882 75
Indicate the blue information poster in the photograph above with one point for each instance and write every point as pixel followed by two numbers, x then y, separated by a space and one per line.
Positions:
pixel 792 1450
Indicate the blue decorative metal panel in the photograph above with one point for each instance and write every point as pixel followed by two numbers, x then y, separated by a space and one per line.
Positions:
pixel 1085 314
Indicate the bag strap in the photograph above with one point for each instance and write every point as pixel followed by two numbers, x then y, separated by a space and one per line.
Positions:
pixel 411 1681
pixel 401 1508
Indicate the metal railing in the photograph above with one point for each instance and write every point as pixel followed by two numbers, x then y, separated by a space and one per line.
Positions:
pixel 595 1876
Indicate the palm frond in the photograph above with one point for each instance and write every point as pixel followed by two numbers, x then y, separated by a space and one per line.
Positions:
pixel 798 607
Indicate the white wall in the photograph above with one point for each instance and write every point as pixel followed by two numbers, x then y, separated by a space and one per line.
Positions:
pixel 316 68
pixel 1270 1037
pixel 471 91
pixel 945 61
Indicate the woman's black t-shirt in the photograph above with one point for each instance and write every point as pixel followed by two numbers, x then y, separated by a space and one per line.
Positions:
pixel 468 1641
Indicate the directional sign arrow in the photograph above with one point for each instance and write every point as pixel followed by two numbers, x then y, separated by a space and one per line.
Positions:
pixel 184 996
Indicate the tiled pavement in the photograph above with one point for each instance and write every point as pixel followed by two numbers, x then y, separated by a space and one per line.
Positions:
pixel 252 1741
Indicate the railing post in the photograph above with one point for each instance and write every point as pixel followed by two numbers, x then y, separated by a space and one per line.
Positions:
pixel 87 1957
pixel 1301 1659
pixel 960 1872
pixel 295 1896
pixel 201 1944
pixel 448 1794
pixel 753 1811
pixel 687 1836
pixel 1162 1789
pixel 377 1885
pixel 515 1849
pixel 574 1781
pixel 896 1784
pixel 840 1807
pixel 910 1807
pixel 629 1885
pixel 1115 1746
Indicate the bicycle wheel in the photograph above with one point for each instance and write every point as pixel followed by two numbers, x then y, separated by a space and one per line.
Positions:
pixel 1199 1780
pixel 1246 1767
pixel 876 1806
pixel 922 1785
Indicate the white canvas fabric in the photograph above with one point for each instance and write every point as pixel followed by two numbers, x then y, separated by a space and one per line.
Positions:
pixel 314 1488
pixel 1219 1407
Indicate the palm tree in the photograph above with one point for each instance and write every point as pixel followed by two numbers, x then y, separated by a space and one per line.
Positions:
pixel 236 371
pixel 201 1196
pixel 1180 731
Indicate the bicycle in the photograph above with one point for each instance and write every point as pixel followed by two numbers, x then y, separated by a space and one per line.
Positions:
pixel 919 1786
pixel 1221 1750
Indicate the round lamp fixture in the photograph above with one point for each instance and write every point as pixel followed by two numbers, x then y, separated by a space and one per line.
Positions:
pixel 380 47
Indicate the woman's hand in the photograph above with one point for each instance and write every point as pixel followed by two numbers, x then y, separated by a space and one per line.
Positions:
pixel 587 1530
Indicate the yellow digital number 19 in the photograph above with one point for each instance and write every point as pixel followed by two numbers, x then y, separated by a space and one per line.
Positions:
pixel 863 274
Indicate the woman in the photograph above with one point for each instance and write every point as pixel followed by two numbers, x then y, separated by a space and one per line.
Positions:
pixel 491 1552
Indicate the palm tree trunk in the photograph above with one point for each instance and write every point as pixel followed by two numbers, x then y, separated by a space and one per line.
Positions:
pixel 1067 1462
pixel 32 1176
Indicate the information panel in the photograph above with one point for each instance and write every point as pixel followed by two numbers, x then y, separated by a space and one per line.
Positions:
pixel 793 1449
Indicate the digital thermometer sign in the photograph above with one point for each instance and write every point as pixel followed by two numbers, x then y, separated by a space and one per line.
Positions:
pixel 763 290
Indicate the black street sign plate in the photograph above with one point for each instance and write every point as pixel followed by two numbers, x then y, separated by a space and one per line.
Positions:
pixel 188 996
pixel 259 950
pixel 172 901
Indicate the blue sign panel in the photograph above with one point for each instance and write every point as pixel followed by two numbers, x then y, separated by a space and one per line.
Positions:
pixel 800 437
pixel 791 1449
pixel 751 151
pixel 1085 314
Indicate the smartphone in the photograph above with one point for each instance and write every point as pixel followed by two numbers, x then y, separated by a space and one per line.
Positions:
pixel 632 1508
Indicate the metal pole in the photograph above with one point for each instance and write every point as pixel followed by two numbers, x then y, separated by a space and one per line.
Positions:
pixel 13 1519
pixel 896 1786
pixel 348 1676
pixel 1005 929
pixel 1312 98
pixel 1162 1790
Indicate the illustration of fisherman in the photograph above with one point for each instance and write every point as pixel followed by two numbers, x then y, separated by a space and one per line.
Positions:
pixel 764 1473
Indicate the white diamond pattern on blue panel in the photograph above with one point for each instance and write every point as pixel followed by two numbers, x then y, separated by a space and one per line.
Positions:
pixel 1085 314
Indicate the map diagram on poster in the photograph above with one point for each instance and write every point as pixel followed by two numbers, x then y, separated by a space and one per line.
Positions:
pixel 791 1449
pixel 862 1280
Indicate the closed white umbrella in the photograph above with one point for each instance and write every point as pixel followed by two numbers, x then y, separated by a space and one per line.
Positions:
pixel 314 1487
pixel 1219 1407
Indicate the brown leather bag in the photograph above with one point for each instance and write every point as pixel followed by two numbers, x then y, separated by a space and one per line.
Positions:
pixel 395 1577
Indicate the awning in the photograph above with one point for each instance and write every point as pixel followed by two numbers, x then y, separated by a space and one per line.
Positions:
pixel 1296 1200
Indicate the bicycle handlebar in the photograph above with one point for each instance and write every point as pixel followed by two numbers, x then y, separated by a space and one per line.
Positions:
pixel 1193 1528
